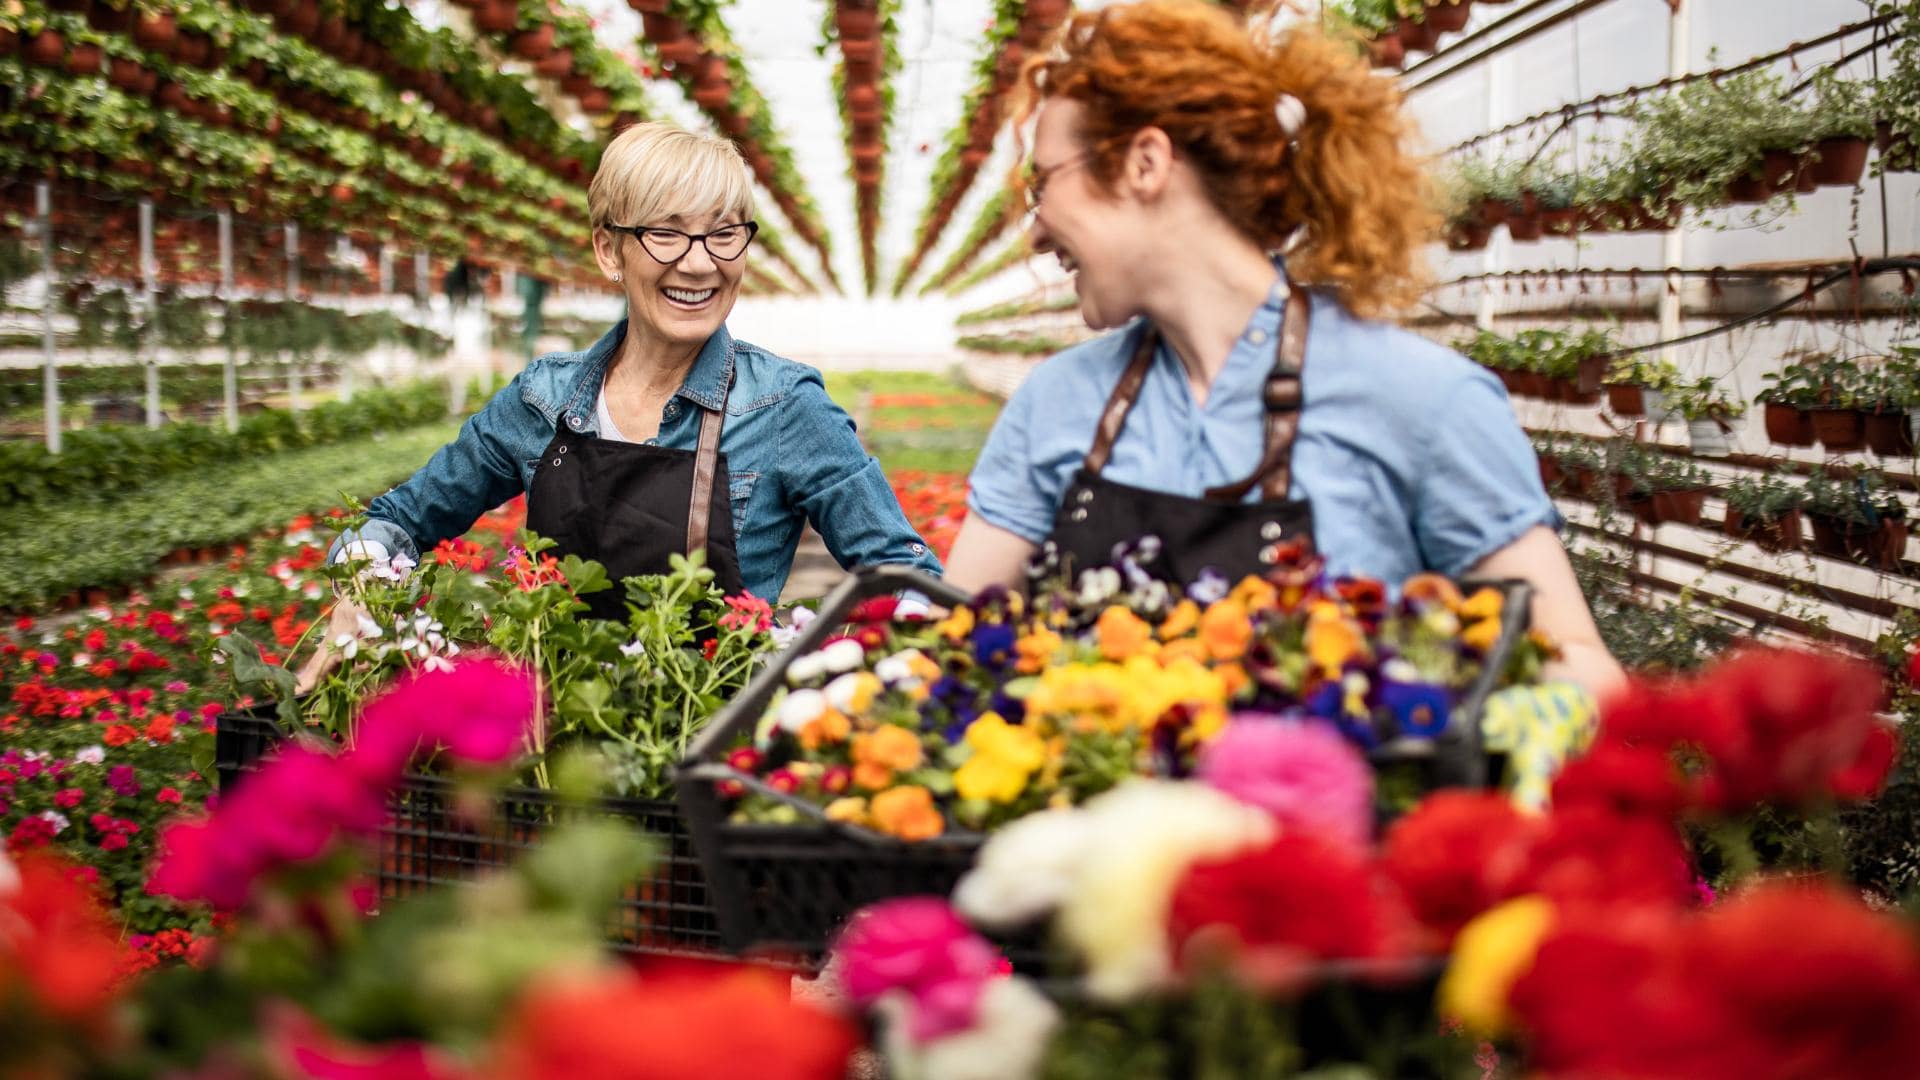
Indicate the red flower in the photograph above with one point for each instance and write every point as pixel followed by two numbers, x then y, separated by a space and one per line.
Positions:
pixel 30 833
pixel 1801 719
pixel 120 735
pixel 719 1022
pixel 1457 854
pixel 748 612
pixel 1624 779
pixel 170 796
pixel 1592 855
pixel 60 950
pixel 69 798
pixel 160 729
pixel 96 640
pixel 1277 908
pixel 1868 774
pixel 707 650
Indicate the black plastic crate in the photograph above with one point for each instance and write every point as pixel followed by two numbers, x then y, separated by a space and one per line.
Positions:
pixel 787 889
pixel 424 843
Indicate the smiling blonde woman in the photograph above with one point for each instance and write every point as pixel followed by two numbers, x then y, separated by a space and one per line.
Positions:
pixel 668 435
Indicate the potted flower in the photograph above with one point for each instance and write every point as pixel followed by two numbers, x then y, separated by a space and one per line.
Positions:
pixel 1666 488
pixel 1889 394
pixel 1765 510
pixel 1447 16
pixel 1855 517
pixel 1787 399
pixel 1636 386
pixel 1709 412
pixel 1843 125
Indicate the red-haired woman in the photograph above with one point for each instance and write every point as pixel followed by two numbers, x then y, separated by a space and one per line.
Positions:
pixel 1244 402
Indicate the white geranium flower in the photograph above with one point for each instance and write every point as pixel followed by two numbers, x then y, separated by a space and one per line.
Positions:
pixel 438 663
pixel 801 708
pixel 634 649
pixel 1007 1040
pixel 806 669
pixel 92 755
pixel 58 819
pixel 897 670
pixel 843 655
pixel 1144 836
pixel 801 616
pixel 1025 870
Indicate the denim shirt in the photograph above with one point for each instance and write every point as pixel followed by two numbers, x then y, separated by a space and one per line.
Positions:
pixel 1409 452
pixel 792 457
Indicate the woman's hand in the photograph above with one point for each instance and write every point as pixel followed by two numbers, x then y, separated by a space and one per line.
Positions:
pixel 345 620
pixel 1559 609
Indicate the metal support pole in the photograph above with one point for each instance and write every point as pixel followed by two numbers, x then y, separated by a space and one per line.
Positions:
pixel 43 209
pixel 293 297
pixel 148 345
pixel 1499 80
pixel 1673 244
pixel 229 373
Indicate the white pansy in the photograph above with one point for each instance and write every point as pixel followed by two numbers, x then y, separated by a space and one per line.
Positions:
pixel 1007 1041
pixel 92 755
pixel 897 670
pixel 1025 870
pixel 801 616
pixel 843 655
pixel 1098 584
pixel 805 669
pixel 1399 669
pixel 801 708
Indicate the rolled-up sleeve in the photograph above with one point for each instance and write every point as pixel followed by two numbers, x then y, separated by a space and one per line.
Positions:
pixel 1480 488
pixel 1009 486
pixel 832 479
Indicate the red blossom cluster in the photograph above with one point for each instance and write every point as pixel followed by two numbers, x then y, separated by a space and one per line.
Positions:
pixel 935 504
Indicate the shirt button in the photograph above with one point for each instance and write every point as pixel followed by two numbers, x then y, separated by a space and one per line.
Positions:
pixel 573 422
pixel 673 408
pixel 917 549
pixel 1257 336
pixel 1279 293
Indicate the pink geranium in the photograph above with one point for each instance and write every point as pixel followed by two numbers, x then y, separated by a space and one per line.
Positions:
pixel 918 945
pixel 1306 775
pixel 304 800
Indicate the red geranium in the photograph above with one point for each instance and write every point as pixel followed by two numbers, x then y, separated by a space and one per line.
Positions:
pixel 1273 910
pixel 1592 855
pixel 57 947
pixel 1456 855
pixel 705 1022
pixel 1624 779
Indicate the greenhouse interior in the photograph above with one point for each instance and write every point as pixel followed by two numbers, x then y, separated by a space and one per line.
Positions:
pixel 429 618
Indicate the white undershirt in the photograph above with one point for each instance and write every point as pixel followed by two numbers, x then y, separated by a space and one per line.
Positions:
pixel 604 419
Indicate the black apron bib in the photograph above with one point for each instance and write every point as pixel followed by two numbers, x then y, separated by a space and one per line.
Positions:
pixel 1216 531
pixel 629 507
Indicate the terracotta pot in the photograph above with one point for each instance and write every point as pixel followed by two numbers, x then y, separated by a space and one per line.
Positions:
pixel 1804 182
pixel 110 20
pixel 1839 161
pixel 734 124
pixel 1888 433
pixel 595 101
pixel 864 154
pixel 1524 227
pixel 1780 534
pixel 1839 430
pixel 1560 221
pixel 1772 176
pixel 679 51
pixel 1592 374
pixel 533 44
pixel 856 23
pixel 868 173
pixel 303 20
pixel 330 34
pixel 649 7
pixel 712 97
pixel 1416 35
pixel 194 48
pixel 863 97
pixel 1387 51
pixel 78 7
pixel 1468 236
pixel 1551 474
pixel 126 74
pixel 558 64
pixel 496 16
pixel 1787 425
pixel 47 48
pixel 1446 18
pixel 973 157
pixel 1678 507
pixel 9 41
pixel 84 59
pixel 1625 399
pixel 659 26
pixel 1048 12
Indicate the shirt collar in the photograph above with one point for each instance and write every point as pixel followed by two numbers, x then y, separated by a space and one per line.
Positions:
pixel 706 383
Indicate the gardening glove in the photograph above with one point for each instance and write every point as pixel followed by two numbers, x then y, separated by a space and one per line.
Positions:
pixel 1538 727
pixel 344 622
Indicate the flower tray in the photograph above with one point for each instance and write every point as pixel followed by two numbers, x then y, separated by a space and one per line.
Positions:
pixel 426 842
pixel 786 889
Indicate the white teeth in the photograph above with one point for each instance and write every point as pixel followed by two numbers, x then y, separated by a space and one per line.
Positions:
pixel 689 296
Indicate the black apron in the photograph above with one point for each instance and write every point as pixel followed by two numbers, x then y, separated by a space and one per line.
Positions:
pixel 629 507
pixel 1216 531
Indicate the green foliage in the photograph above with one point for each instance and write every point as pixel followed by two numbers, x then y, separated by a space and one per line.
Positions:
pixel 104 462
pixel 1022 344
pixel 1014 309
pixel 1704 399
pixel 1764 497
pixel 67 544
pixel 1861 498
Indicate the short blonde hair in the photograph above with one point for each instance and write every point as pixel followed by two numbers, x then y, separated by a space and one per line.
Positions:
pixel 651 172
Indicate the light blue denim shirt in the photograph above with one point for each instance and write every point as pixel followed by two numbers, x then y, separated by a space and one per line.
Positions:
pixel 1410 452
pixel 792 457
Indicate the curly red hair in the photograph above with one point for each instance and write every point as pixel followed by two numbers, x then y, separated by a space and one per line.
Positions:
pixel 1194 71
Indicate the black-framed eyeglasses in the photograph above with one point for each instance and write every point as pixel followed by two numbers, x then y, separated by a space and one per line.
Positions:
pixel 669 246
pixel 1037 177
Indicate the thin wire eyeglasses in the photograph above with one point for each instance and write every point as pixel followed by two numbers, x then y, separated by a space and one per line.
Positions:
pixel 669 246
pixel 1037 177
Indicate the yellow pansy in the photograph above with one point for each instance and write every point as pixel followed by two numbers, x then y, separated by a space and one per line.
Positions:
pixel 1331 638
pixel 1490 953
pixel 850 810
pixel 1483 604
pixel 1005 757
pixel 1184 649
pixel 1254 594
pixel 957 626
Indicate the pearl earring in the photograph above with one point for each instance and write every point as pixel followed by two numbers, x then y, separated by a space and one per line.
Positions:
pixel 616 279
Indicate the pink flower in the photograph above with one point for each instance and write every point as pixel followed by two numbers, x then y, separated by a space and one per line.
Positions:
pixel 168 795
pixel 1305 775
pixel 69 798
pixel 918 945
pixel 480 711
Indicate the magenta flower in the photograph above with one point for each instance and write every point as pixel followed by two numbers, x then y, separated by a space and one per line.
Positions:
pixel 480 711
pixel 918 945
pixel 1306 775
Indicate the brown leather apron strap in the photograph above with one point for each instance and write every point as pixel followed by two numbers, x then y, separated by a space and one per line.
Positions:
pixel 706 463
pixel 1282 398
pixel 1120 402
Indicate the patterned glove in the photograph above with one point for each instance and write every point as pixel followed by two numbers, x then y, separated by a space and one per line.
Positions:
pixel 1538 728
